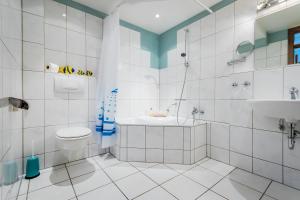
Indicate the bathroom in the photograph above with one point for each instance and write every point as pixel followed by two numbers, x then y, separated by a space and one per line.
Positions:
pixel 149 99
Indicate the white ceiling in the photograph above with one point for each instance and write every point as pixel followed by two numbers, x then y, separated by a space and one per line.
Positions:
pixel 172 12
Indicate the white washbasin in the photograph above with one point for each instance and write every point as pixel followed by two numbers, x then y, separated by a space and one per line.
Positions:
pixel 280 109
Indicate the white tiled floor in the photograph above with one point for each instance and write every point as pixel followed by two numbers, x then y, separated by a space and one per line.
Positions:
pixel 106 178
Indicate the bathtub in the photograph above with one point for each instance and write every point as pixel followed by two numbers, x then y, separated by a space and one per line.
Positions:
pixel 160 140
pixel 159 121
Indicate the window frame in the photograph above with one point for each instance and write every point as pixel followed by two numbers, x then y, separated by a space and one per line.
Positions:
pixel 291 45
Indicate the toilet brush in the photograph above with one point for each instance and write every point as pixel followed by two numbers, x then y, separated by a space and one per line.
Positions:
pixel 32 165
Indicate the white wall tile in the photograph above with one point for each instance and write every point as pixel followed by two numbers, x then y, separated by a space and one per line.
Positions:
pixel 222 108
pixel 207 67
pixel 173 156
pixel 243 91
pixel 34 117
pixel 56 57
pixel 209 110
pixel 34 139
pixel 224 46
pixel 173 138
pixel 241 113
pixel 154 137
pixel 291 80
pixel 208 25
pixel 241 161
pixel 267 146
pixel 75 42
pixel 75 20
pixel 223 88
pixel 136 155
pixel 207 88
pixel 136 136
pixel 291 158
pixel 33 85
pixel 265 82
pixel 55 38
pixel 267 169
pixel 33 56
pixel 220 135
pixel 244 32
pixel 220 154
pixel 34 7
pixel 56 112
pixel 94 26
pixel 154 155
pixel 50 138
pixel 222 68
pixel 225 18
pixel 33 28
pixel 11 23
pixel 291 177
pixel 93 46
pixel 208 46
pixel 244 11
pixel 265 123
pixel 241 140
pixel 200 136
pixel 55 13
pixel 78 112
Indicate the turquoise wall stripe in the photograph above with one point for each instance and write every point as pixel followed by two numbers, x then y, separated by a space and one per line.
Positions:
pixel 262 42
pixel 271 38
pixel 149 40
pixel 168 39
pixel 277 36
pixel 83 8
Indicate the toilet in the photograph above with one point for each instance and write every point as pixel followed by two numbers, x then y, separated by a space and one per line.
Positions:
pixel 73 139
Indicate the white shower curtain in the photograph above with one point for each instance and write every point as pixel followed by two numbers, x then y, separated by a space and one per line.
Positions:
pixel 107 81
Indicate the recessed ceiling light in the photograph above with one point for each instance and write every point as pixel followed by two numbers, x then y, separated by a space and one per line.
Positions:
pixel 157 16
pixel 64 14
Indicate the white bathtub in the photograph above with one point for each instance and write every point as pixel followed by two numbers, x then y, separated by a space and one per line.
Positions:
pixel 159 121
pixel 160 140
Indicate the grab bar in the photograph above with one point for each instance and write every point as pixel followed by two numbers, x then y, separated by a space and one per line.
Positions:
pixel 15 102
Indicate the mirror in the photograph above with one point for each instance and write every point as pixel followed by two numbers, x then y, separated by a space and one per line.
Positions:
pixel 277 36
pixel 244 49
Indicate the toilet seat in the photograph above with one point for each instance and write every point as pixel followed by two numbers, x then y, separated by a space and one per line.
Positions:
pixel 73 133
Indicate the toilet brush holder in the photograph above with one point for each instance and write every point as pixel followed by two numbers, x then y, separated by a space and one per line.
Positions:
pixel 32 167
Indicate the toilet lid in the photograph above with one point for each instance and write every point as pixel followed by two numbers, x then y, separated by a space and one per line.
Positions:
pixel 73 132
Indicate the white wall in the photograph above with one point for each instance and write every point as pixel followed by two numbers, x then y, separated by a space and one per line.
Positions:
pixel 237 135
pixel 10 86
pixel 74 39
pixel 138 83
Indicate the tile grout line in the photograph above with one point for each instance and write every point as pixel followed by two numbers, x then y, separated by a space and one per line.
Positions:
pixel 71 182
pixel 263 194
pixel 112 181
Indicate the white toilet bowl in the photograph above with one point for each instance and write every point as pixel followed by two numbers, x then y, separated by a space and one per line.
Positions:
pixel 72 140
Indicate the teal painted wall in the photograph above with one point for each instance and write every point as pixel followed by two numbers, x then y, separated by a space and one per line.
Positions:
pixel 168 40
pixel 157 45
pixel 271 38
pixel 149 42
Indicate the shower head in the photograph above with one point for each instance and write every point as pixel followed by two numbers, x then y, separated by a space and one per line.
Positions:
pixel 183 55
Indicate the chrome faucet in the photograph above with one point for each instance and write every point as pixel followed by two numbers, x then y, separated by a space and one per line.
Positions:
pixel 294 93
pixel 195 111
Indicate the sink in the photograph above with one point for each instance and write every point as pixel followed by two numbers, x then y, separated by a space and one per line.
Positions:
pixel 280 109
